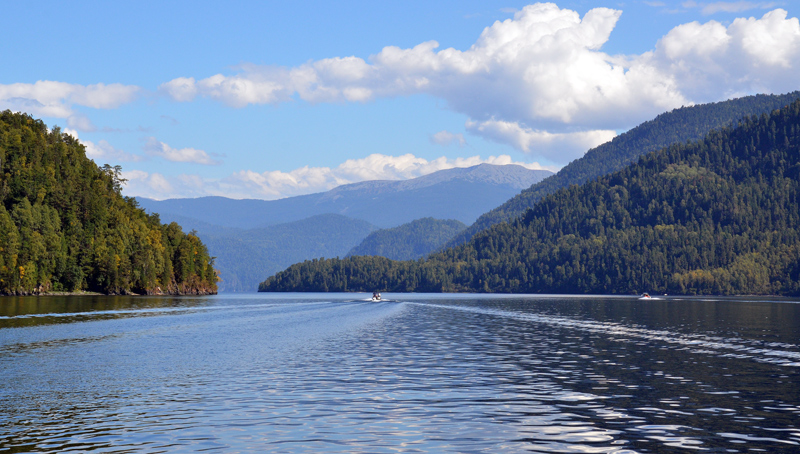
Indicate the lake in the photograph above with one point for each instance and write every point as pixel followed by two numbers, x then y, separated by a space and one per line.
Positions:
pixel 416 373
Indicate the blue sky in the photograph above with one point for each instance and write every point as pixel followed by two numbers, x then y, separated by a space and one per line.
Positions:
pixel 273 99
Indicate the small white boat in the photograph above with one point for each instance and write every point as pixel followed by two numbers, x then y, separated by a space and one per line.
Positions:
pixel 376 296
pixel 646 296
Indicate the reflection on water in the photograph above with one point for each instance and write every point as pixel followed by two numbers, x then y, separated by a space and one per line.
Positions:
pixel 422 373
pixel 16 311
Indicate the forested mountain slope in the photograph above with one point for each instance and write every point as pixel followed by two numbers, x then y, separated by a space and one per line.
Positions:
pixel 678 126
pixel 65 226
pixel 246 256
pixel 410 241
pixel 718 216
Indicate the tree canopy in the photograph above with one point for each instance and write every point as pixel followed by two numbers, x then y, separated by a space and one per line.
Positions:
pixel 678 126
pixel 65 226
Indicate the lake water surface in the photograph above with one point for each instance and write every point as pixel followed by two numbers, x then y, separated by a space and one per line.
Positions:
pixel 418 373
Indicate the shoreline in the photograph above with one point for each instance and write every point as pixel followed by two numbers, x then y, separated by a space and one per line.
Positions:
pixel 86 293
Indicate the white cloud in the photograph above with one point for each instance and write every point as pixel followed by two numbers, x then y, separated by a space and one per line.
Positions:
pixel 544 71
pixel 555 147
pixel 711 61
pixel 81 123
pixel 153 147
pixel 728 7
pixel 445 138
pixel 180 89
pixel 305 180
pixel 144 184
pixel 103 152
pixel 542 66
pixel 55 99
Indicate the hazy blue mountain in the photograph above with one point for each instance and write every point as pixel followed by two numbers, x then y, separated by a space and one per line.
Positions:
pixel 674 127
pixel 255 238
pixel 244 257
pixel 410 241
pixel 383 203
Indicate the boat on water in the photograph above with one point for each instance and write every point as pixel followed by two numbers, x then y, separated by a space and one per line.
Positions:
pixel 646 296
pixel 376 296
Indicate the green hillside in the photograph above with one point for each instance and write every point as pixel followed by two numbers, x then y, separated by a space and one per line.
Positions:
pixel 718 216
pixel 64 225
pixel 678 126
pixel 409 241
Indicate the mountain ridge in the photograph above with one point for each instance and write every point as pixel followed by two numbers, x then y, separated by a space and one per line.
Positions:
pixel 716 216
pixel 439 194
pixel 410 241
pixel 676 126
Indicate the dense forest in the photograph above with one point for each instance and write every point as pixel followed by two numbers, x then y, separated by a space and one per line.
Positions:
pixel 65 226
pixel 716 216
pixel 678 126
pixel 409 241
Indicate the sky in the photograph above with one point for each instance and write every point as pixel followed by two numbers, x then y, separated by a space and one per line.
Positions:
pixel 265 100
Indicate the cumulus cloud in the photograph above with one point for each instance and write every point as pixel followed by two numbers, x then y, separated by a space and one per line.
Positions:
pixel 555 147
pixel 305 180
pixel 103 152
pixel 711 61
pixel 153 147
pixel 445 138
pixel 56 99
pixel 543 70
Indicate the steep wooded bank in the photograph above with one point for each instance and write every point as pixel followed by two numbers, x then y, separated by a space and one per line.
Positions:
pixel 64 225
pixel 718 216
pixel 678 126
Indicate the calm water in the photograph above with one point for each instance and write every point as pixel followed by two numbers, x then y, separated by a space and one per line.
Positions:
pixel 420 373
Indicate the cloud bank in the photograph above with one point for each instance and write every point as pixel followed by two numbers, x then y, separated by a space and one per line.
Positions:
pixel 305 180
pixel 540 81
pixel 56 99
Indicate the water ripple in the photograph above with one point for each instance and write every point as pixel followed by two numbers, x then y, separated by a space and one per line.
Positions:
pixel 458 375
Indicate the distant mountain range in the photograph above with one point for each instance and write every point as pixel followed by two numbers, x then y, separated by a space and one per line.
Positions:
pixel 715 216
pixel 244 257
pixel 252 239
pixel 382 203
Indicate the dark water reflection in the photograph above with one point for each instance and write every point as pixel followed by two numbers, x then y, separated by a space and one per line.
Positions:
pixel 423 373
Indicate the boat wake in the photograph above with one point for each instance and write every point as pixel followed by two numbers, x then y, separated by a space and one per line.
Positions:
pixel 777 353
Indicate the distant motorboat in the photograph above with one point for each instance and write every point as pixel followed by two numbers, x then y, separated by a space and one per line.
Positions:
pixel 376 296
pixel 646 296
